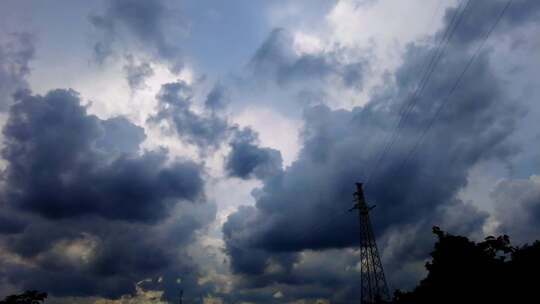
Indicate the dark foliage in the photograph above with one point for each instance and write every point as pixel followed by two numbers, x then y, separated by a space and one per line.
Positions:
pixel 463 271
pixel 28 297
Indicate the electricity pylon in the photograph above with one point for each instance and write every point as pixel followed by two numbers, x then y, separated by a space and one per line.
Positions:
pixel 374 288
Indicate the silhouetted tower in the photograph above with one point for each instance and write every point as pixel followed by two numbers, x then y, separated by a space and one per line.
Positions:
pixel 373 283
pixel 181 296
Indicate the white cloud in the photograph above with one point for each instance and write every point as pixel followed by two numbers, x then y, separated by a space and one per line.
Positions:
pixel 275 130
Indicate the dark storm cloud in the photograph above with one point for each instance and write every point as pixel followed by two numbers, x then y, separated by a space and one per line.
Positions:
pixel 10 223
pixel 340 145
pixel 247 159
pixel 137 73
pixel 205 130
pixel 16 51
pixel 319 275
pixel 146 22
pixel 55 168
pixel 340 148
pixel 90 213
pixel 277 60
pixel 517 208
pixel 118 255
pixel 209 129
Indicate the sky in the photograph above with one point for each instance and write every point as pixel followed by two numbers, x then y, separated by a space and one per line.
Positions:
pixel 212 147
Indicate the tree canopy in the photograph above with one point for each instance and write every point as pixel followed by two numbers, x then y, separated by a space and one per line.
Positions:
pixel 28 297
pixel 463 271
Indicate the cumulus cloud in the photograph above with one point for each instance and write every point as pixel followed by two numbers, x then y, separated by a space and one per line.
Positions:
pixel 340 148
pixel 16 51
pixel 55 169
pixel 98 257
pixel 85 212
pixel 247 159
pixel 210 128
pixel 94 214
pixel 146 23
pixel 276 60
pixel 285 74
pixel 205 130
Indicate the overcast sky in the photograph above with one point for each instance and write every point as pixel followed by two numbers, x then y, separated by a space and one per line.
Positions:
pixel 150 147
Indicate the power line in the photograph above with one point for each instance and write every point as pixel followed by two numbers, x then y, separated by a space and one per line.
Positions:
pixel 454 87
pixel 408 106
pixel 433 62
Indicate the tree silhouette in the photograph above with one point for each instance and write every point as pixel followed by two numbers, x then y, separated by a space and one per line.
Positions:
pixel 462 271
pixel 28 297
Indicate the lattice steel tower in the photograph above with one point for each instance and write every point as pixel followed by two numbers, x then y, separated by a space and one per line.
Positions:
pixel 374 288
